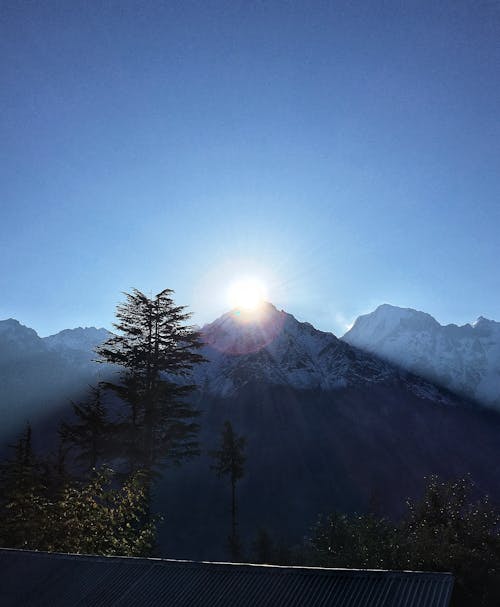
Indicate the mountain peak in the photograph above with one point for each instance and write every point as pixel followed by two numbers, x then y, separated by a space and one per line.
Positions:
pixel 11 328
pixel 481 321
pixel 9 322
pixel 272 347
pixel 12 323
pixel 461 358
pixel 245 331
pixel 387 320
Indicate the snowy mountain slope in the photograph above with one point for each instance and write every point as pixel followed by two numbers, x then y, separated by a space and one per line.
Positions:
pixel 17 338
pixel 274 348
pixel 464 359
pixel 82 339
pixel 77 346
pixel 269 347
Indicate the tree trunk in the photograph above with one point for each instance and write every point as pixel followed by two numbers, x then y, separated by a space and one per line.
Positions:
pixel 233 508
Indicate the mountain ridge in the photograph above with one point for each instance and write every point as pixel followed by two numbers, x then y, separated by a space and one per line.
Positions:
pixel 462 358
pixel 274 347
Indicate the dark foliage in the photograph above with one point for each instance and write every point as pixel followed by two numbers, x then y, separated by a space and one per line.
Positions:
pixel 42 508
pixel 22 490
pixel 230 461
pixel 360 542
pixel 71 501
pixel 156 350
pixel 89 435
pixel 152 338
pixel 447 530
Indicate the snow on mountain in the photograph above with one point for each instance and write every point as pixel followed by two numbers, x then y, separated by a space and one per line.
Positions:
pixel 85 339
pixel 271 346
pixel 15 337
pixel 464 359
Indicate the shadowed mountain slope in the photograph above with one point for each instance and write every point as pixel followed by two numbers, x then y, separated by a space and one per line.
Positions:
pixel 327 426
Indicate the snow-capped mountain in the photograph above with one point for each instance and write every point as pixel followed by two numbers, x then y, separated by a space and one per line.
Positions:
pixel 268 347
pixel 272 347
pixel 464 359
pixel 16 337
pixel 82 339
pixel 77 346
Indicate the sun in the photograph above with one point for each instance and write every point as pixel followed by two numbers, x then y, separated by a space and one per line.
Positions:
pixel 248 294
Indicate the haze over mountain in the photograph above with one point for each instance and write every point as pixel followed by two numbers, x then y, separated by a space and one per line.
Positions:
pixel 464 359
pixel 328 426
pixel 38 376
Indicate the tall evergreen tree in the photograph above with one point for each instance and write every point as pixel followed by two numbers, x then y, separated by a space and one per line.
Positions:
pixel 90 432
pixel 22 490
pixel 157 350
pixel 230 462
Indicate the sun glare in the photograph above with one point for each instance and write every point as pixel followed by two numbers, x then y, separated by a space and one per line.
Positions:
pixel 247 294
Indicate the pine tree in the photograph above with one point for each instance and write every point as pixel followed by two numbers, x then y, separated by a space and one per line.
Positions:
pixel 156 350
pixel 90 433
pixel 22 496
pixel 152 338
pixel 230 461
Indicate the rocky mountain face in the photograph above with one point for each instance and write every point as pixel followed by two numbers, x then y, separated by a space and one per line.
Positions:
pixel 464 359
pixel 272 347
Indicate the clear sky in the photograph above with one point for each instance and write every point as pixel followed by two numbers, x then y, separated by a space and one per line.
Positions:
pixel 345 153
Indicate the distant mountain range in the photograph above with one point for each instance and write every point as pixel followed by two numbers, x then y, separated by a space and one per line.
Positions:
pixel 328 425
pixel 391 344
pixel 463 359
pixel 274 348
pixel 39 376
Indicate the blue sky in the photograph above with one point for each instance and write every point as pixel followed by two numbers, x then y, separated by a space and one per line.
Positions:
pixel 347 153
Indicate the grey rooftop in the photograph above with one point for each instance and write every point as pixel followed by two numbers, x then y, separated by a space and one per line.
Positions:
pixel 37 579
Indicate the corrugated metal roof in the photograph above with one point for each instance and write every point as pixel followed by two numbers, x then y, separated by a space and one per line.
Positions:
pixel 39 579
